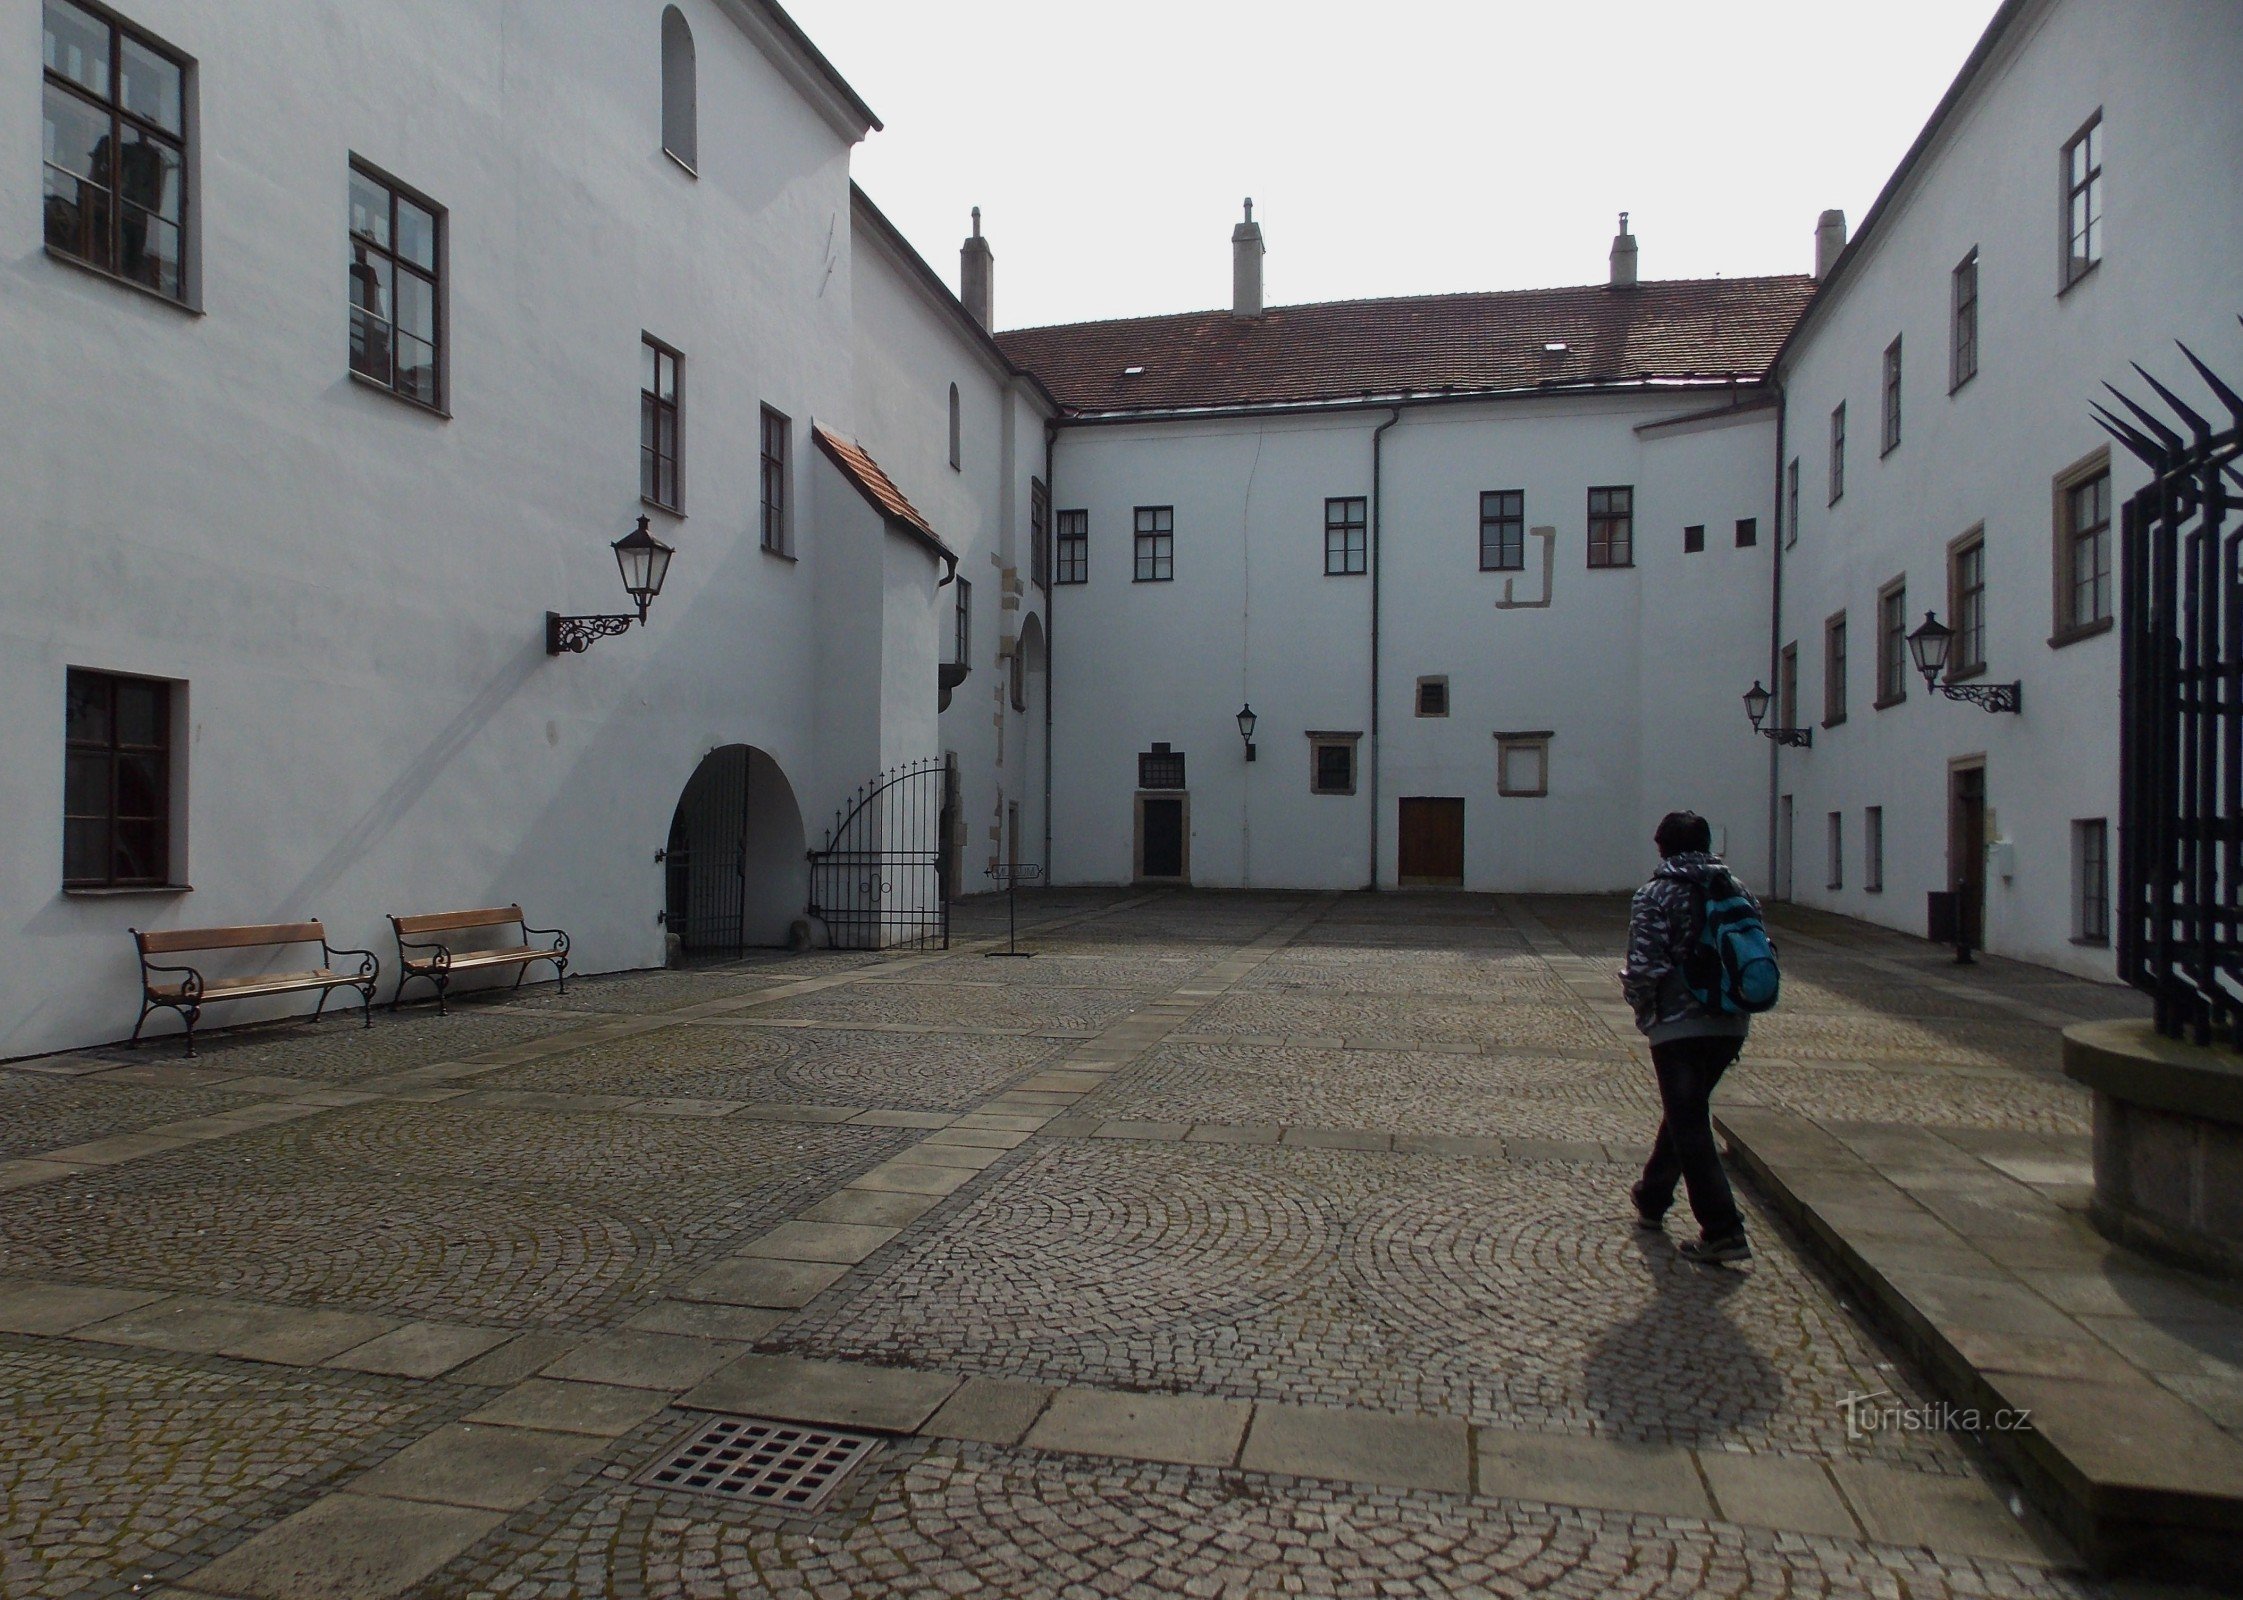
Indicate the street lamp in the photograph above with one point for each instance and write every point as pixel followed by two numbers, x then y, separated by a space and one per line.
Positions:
pixel 644 561
pixel 1756 708
pixel 1246 722
pixel 1929 646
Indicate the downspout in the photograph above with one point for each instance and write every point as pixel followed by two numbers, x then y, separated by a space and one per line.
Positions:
pixel 1785 533
pixel 1051 592
pixel 1378 438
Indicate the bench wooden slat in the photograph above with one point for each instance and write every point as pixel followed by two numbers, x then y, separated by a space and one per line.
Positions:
pixel 463 959
pixel 262 983
pixel 164 941
pixel 446 921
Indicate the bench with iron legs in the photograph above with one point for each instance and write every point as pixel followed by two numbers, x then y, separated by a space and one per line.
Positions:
pixel 191 990
pixel 437 960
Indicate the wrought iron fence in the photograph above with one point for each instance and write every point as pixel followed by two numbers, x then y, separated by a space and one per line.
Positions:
pixel 2181 715
pixel 882 880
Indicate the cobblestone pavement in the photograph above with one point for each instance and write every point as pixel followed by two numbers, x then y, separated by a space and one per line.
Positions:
pixel 331 1311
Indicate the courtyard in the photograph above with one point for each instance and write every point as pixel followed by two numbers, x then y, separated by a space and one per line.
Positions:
pixel 1234 1244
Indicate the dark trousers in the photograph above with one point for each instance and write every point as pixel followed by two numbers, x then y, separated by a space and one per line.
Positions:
pixel 1688 1070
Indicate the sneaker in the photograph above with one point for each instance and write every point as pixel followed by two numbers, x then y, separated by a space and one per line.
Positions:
pixel 1649 1221
pixel 1712 1252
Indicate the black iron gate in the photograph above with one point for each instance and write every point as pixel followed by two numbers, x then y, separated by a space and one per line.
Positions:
pixel 2181 716
pixel 706 861
pixel 882 880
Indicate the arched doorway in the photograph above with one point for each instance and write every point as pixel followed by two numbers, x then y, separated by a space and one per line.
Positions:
pixel 735 854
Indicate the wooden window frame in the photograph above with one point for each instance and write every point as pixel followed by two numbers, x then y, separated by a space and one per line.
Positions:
pixel 1153 552
pixel 110 105
pixel 113 751
pixel 1319 741
pixel 1532 741
pixel 2081 217
pixel 1071 549
pixel 2091 893
pixel 1503 514
pixel 1838 452
pixel 2066 540
pixel 1612 539
pixel 1966 606
pixel 1791 504
pixel 1962 324
pixel 1834 667
pixel 1834 852
pixel 1893 664
pixel 1872 849
pixel 775 453
pixel 1888 416
pixel 365 247
pixel 653 410
pixel 1347 536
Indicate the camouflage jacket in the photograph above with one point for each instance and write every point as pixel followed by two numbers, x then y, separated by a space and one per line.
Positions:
pixel 1662 929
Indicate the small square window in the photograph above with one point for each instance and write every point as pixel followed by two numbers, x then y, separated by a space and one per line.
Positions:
pixel 1331 758
pixel 1160 768
pixel 1432 697
pixel 1693 538
pixel 1748 532
pixel 1522 764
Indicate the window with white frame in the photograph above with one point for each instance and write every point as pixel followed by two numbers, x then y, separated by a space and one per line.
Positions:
pixel 2083 201
pixel 1522 764
pixel 2091 881
pixel 1966 603
pixel 1873 849
pixel 2083 551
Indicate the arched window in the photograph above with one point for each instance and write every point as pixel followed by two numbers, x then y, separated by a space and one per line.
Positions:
pixel 679 93
pixel 954 425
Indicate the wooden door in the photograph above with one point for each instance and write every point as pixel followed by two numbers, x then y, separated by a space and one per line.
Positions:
pixel 1431 843
pixel 1966 850
pixel 1160 836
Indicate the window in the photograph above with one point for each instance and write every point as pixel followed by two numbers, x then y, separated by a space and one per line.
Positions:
pixel 1503 530
pixel 660 405
pixel 1522 764
pixel 1791 503
pixel 1039 533
pixel 1156 544
pixel 1892 644
pixel 396 331
pixel 1345 539
pixel 1834 671
pixel 1787 687
pixel 778 530
pixel 2083 201
pixel 2091 881
pixel 954 428
pixel 1074 547
pixel 1432 697
pixel 1612 526
pixel 1966 604
pixel 1890 439
pixel 1838 453
pixel 116 792
pixel 1016 678
pixel 680 92
pixel 1962 354
pixel 962 625
pixel 1873 849
pixel 1693 538
pixel 1331 763
pixel 114 140
pixel 2083 550
pixel 1835 850
pixel 1160 768
pixel 1748 532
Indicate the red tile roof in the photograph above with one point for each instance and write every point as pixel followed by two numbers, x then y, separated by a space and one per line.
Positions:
pixel 1692 328
pixel 876 486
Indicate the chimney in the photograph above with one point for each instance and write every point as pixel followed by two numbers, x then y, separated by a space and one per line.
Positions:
pixel 1246 265
pixel 977 274
pixel 1830 241
pixel 1624 257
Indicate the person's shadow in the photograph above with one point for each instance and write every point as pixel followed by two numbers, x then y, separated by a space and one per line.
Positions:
pixel 1680 1371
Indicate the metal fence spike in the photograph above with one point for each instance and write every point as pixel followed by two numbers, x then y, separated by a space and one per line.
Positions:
pixel 2172 441
pixel 2135 440
pixel 2197 425
pixel 2212 381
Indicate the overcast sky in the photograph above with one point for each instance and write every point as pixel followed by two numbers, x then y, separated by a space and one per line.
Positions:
pixel 1402 147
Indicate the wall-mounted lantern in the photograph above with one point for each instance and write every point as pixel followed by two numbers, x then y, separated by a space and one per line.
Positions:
pixel 645 561
pixel 1246 722
pixel 1929 646
pixel 1756 708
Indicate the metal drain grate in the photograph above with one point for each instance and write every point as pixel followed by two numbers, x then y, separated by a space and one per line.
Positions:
pixel 785 1465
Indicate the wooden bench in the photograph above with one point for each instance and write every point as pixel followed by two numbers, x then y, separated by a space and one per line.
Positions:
pixel 438 960
pixel 192 990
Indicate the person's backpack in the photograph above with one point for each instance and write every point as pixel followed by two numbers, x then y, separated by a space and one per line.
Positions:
pixel 1731 970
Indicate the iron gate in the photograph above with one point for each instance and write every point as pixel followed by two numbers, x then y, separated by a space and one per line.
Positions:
pixel 706 862
pixel 883 879
pixel 2181 715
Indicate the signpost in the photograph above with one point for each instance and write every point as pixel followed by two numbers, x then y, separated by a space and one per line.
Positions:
pixel 1010 877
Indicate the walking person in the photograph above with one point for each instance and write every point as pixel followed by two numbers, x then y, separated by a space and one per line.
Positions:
pixel 1692 1042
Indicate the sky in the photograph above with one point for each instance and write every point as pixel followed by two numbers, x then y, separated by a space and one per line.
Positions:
pixel 1392 147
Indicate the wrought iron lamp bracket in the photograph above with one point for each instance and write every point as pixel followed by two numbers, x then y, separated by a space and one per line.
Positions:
pixel 1987 696
pixel 1803 738
pixel 575 634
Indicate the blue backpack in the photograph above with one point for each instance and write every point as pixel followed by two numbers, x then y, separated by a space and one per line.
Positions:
pixel 1732 969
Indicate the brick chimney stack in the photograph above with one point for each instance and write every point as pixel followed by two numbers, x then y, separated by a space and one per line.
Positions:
pixel 977 276
pixel 1247 251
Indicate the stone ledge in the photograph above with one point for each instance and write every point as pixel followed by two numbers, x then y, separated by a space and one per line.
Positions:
pixel 2132 1061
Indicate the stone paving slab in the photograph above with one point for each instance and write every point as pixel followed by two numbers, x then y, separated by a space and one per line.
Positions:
pixel 347 1547
pixel 491 1468
pixel 836 1393
pixel 990 1410
pixel 200 1325
pixel 1772 1492
pixel 637 1359
pixel 1599 1473
pixel 420 1349
pixel 841 1242
pixel 1187 1429
pixel 606 1411
pixel 1360 1447
pixel 53 1308
pixel 749 1282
